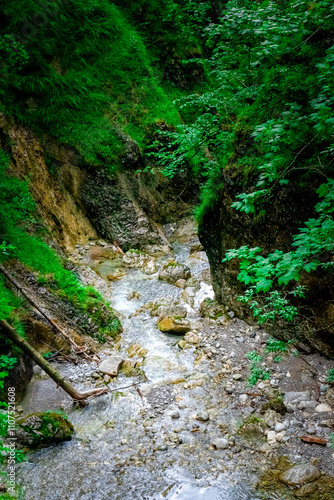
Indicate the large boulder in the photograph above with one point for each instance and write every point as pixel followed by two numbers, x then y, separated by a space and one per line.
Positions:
pixel 300 474
pixel 175 325
pixel 140 260
pixel 178 310
pixel 211 309
pixel 43 429
pixel 173 272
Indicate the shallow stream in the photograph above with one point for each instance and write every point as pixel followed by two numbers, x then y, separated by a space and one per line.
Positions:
pixel 146 444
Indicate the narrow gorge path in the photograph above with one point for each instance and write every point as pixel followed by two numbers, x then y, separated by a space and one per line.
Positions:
pixel 185 431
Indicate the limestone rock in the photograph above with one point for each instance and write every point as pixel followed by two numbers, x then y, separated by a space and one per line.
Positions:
pixel 192 338
pixel 270 418
pixel 173 272
pixel 203 416
pixel 206 276
pixel 140 260
pixel 174 325
pixel 181 283
pixel 137 350
pixel 220 443
pixel 323 407
pixel 300 474
pixel 211 309
pixel 188 295
pixel 43 429
pixel 271 437
pixel 178 311
pixel 111 365
pixel 195 246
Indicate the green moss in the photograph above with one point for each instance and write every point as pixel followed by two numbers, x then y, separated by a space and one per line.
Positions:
pixel 171 264
pixel 86 76
pixel 276 404
pixel 45 429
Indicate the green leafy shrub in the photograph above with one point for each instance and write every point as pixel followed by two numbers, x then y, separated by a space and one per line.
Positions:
pixel 257 371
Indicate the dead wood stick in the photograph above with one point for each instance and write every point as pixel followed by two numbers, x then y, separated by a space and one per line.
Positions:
pixel 19 341
pixel 77 348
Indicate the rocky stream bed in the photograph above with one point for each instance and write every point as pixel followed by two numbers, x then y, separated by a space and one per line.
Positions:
pixel 192 428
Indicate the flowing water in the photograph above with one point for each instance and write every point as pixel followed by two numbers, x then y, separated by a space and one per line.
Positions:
pixel 126 445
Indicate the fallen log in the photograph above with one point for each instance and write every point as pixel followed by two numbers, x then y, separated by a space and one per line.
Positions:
pixel 20 342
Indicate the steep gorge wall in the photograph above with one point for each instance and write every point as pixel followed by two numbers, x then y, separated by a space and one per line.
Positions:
pixel 224 228
pixel 79 203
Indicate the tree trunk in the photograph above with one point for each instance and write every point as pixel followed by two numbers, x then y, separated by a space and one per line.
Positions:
pixel 77 349
pixel 216 10
pixel 12 335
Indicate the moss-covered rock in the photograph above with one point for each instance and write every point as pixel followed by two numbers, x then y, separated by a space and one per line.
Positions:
pixel 39 430
pixel 211 309
pixel 275 404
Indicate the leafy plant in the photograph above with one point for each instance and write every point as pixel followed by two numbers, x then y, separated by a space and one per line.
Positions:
pixel 257 371
pixel 330 376
pixel 278 346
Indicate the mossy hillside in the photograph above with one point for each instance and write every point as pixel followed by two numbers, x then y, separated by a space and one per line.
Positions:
pixel 21 241
pixel 84 76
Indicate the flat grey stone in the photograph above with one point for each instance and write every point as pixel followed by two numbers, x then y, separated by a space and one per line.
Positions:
pixel 111 365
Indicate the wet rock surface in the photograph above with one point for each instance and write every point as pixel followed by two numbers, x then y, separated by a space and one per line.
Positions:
pixel 300 474
pixel 43 429
pixel 192 426
pixel 173 272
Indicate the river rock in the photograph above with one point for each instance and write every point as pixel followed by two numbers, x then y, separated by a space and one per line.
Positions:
pixel 111 365
pixel 99 253
pixel 220 443
pixel 192 338
pixel 174 325
pixel 295 397
pixel 188 295
pixel 135 258
pixel 279 427
pixel 323 407
pixel 202 416
pixel 306 490
pixel 137 350
pixel 211 309
pixel 181 283
pixel 43 429
pixel 271 437
pixel 300 474
pixel 128 367
pixel 173 272
pixel 175 311
pixel 270 418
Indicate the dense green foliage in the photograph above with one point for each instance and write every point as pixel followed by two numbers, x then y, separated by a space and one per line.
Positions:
pixel 80 72
pixel 254 90
pixel 269 116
